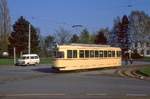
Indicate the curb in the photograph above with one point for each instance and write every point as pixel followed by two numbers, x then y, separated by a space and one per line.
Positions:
pixel 132 73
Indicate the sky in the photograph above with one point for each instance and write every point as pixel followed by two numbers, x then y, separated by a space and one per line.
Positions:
pixel 50 15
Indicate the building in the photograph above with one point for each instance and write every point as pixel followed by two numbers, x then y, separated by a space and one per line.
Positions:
pixel 142 48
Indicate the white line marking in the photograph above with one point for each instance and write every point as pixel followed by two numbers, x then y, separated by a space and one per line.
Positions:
pixel 34 94
pixel 96 94
pixel 139 95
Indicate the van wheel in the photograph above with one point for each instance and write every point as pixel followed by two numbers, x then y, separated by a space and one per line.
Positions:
pixel 35 64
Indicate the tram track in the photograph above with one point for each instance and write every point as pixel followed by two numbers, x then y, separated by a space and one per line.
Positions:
pixel 132 72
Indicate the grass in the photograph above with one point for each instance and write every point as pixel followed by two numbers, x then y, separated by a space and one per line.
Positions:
pixel 145 71
pixel 47 60
pixel 147 59
pixel 6 61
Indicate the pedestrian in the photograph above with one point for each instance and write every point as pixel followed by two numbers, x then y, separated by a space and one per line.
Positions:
pixel 126 57
pixel 130 56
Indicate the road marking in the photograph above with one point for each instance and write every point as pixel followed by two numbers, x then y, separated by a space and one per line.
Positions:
pixel 139 95
pixel 96 94
pixel 34 94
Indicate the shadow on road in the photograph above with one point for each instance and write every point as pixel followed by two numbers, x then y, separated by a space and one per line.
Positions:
pixel 46 70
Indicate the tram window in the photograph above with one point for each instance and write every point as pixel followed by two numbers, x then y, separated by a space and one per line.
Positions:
pixel 118 53
pixel 69 53
pixel 91 53
pixel 100 53
pixel 109 53
pixel 74 53
pixel 87 54
pixel 105 53
pixel 60 54
pixel 96 53
pixel 81 53
pixel 113 53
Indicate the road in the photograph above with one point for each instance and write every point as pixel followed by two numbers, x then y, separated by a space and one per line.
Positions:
pixel 39 82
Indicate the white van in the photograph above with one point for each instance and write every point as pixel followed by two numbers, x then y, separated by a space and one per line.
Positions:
pixel 28 59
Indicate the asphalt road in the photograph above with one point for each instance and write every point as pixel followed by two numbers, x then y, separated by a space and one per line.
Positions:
pixel 39 82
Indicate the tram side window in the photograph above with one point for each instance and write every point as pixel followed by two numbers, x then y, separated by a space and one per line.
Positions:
pixel 91 53
pixel 74 53
pixel 113 53
pixel 118 53
pixel 105 53
pixel 109 54
pixel 96 54
pixel 69 53
pixel 81 53
pixel 100 53
pixel 87 54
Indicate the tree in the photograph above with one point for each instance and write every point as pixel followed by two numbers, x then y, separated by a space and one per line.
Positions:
pixel 85 37
pixel 123 39
pixel 139 26
pixel 47 45
pixel 5 25
pixel 49 41
pixel 100 38
pixel 113 39
pixel 74 39
pixel 19 37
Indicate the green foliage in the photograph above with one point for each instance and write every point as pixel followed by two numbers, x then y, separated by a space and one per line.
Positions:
pixel 19 37
pixel 74 39
pixel 100 38
pixel 86 37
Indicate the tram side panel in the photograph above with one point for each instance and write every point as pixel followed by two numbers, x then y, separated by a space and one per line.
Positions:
pixel 74 64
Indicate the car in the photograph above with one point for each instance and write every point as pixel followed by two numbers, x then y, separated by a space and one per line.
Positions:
pixel 28 59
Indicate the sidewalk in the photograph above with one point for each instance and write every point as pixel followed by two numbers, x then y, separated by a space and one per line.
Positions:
pixel 135 63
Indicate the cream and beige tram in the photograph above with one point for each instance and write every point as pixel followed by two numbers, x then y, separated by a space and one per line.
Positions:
pixel 85 56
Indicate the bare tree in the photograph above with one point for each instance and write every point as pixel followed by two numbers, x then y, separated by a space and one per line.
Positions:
pixel 5 24
pixel 62 36
pixel 139 27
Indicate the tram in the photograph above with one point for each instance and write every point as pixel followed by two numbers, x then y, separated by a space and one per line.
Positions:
pixel 85 56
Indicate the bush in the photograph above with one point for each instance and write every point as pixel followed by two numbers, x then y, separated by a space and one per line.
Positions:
pixel 136 55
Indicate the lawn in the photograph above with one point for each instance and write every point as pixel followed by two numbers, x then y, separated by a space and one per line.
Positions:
pixel 6 61
pixel 145 71
pixel 47 60
pixel 146 59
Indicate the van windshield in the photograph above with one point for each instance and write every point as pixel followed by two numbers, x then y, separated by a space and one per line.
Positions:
pixel 25 57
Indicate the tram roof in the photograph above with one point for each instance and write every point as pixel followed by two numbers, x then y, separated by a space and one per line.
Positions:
pixel 85 45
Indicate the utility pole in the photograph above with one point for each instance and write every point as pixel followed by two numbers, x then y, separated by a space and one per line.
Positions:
pixel 14 55
pixel 29 40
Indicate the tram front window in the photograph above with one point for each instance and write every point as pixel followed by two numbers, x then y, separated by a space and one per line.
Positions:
pixel 59 54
